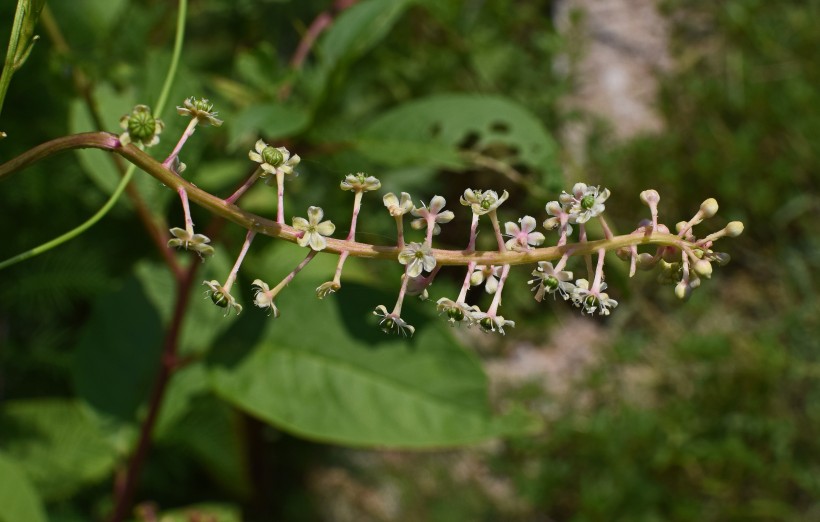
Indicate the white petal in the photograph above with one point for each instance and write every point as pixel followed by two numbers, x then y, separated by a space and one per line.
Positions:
pixel 326 228
pixel 315 215
pixel 528 224
pixel 436 204
pixel 300 223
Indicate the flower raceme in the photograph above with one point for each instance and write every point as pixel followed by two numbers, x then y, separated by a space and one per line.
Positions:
pixel 682 259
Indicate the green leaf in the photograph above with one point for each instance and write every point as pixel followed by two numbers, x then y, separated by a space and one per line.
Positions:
pixel 56 443
pixel 358 29
pixel 269 120
pixel 436 129
pixel 117 358
pixel 210 512
pixel 210 430
pixel 204 321
pixel 322 372
pixel 17 496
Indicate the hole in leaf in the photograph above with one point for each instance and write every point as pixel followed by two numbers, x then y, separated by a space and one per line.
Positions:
pixel 470 140
pixel 500 127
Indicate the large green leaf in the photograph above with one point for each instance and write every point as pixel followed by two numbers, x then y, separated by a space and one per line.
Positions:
pixel 358 29
pixel 271 120
pixel 322 372
pixel 57 443
pixel 199 327
pixel 435 130
pixel 118 355
pixel 18 500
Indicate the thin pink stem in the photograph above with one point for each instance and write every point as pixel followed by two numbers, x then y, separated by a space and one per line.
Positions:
pixel 244 188
pixel 462 295
pixel 235 270
pixel 497 297
pixel 189 131
pixel 605 227
pixel 582 238
pixel 186 208
pixel 599 272
pixel 497 229
pixel 284 282
pixel 400 232
pixel 402 291
pixel 280 194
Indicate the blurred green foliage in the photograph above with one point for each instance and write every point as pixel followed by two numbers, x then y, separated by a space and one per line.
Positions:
pixel 700 411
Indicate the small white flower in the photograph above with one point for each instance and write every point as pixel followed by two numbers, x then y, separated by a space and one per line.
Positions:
pixel 396 207
pixel 392 323
pixel 360 183
pixel 492 323
pixel 551 282
pixel 201 109
pixel 327 288
pixel 456 312
pixel 273 160
pixel 418 258
pixel 523 237
pixel 488 275
pixel 590 301
pixel 482 201
pixel 221 297
pixel 263 297
pixel 194 242
pixel 314 229
pixel 585 202
pixel 555 210
pixel 432 213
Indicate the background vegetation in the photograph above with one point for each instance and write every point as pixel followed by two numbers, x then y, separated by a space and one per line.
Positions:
pixel 705 410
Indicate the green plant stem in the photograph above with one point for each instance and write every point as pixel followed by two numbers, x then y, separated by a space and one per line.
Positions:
pixel 9 65
pixel 259 224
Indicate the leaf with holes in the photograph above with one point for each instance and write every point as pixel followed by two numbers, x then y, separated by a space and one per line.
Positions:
pixel 440 129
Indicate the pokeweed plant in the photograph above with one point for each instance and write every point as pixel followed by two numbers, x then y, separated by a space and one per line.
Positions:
pixel 681 258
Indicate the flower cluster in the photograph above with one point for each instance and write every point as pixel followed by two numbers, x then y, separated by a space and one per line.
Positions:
pixel 682 259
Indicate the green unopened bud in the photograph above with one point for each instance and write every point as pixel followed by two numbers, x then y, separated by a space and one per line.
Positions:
pixel 680 225
pixel 219 299
pixel 141 127
pixel 709 208
pixel 455 314
pixel 273 156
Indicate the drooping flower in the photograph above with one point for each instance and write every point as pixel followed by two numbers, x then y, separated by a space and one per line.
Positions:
pixel 392 323
pixel 490 323
pixel 522 238
pixel 263 297
pixel 590 300
pixel 327 288
pixel 273 160
pixel 585 202
pixel 456 312
pixel 313 229
pixel 222 297
pixel 201 109
pixel 417 257
pixel 360 183
pixel 396 207
pixel 487 274
pixel 433 213
pixel 551 281
pixel 140 127
pixel 482 201
pixel 194 242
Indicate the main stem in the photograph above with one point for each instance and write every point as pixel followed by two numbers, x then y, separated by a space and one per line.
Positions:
pixel 124 493
pixel 259 224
